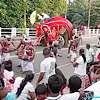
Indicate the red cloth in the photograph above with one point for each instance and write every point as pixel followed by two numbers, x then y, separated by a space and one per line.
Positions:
pixel 98 57
pixel 26 51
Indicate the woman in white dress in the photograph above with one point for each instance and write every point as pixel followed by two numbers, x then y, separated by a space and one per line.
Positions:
pixel 26 90
pixel 80 68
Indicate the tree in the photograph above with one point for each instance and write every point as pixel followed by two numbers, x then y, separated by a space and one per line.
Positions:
pixel 78 12
pixel 95 12
pixel 12 11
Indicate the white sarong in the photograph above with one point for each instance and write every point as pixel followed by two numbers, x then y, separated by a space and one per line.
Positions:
pixel 27 66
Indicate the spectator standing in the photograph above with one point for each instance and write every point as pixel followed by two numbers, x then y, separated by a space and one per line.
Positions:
pixel 89 54
pixel 41 92
pixel 73 55
pixel 80 68
pixel 3 90
pixel 47 66
pixel 54 86
pixel 26 90
pixel 8 74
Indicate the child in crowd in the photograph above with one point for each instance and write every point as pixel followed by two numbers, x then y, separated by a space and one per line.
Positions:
pixel 64 88
pixel 3 89
pixel 8 73
pixel 41 92
pixel 73 55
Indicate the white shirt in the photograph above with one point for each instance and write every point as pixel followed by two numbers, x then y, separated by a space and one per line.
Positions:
pixel 28 88
pixel 73 56
pixel 8 74
pixel 71 96
pixel 17 82
pixel 97 53
pixel 89 55
pixel 81 68
pixel 48 66
pixel 96 89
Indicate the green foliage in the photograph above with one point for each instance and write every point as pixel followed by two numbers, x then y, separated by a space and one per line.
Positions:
pixel 12 11
pixel 95 12
pixel 78 12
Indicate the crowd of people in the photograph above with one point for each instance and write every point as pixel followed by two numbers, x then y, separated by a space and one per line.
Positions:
pixel 51 83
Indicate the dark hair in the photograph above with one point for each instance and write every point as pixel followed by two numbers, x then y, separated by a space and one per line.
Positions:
pixel 59 72
pixel 41 89
pixel 8 65
pixel 1 78
pixel 50 42
pixel 74 83
pixel 81 52
pixel 55 83
pixel 46 51
pixel 87 46
pixel 28 78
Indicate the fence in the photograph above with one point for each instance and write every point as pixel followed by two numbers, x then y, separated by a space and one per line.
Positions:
pixel 15 32
pixel 89 32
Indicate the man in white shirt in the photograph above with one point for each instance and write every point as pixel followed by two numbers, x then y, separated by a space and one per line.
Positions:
pixel 89 54
pixel 47 66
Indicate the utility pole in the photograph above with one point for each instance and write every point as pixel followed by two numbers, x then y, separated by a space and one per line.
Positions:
pixel 25 13
pixel 25 8
pixel 89 13
pixel 66 7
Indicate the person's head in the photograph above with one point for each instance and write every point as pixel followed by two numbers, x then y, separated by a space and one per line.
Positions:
pixel 46 52
pixel 59 72
pixel 56 43
pixel 74 83
pixel 41 92
pixel 81 53
pixel 54 84
pixel 8 65
pixel 88 46
pixel 50 43
pixel 28 78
